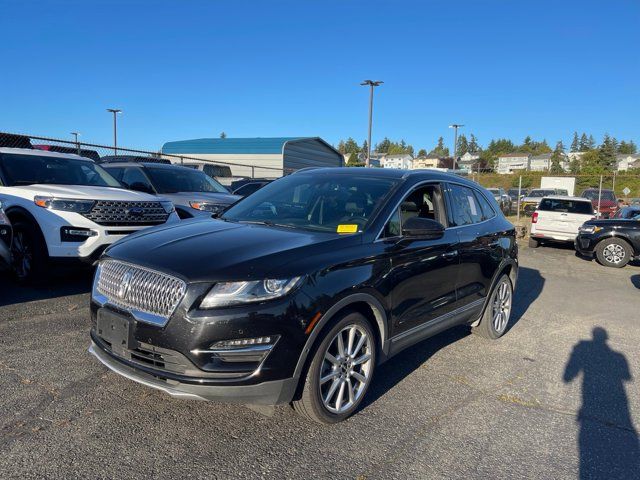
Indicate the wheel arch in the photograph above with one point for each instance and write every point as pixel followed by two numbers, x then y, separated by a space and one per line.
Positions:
pixel 363 303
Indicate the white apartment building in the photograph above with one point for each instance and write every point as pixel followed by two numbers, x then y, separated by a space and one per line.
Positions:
pixel 513 161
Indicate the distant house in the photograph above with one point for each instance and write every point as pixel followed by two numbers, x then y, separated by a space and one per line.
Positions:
pixel 540 163
pixel 402 161
pixel 625 161
pixel 430 161
pixel 511 162
pixel 468 161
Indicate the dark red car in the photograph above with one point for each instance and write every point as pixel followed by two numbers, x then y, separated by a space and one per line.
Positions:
pixel 608 201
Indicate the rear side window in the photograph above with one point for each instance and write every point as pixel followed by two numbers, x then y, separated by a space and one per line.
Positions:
pixel 465 208
pixel 565 206
pixel 487 211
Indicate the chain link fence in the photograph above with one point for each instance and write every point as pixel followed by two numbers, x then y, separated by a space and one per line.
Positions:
pixel 222 171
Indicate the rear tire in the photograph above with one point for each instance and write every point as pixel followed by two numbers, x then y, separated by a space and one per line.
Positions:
pixel 346 368
pixel 497 313
pixel 533 243
pixel 614 252
pixel 29 252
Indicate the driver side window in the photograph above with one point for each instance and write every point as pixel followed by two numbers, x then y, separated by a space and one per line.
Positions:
pixel 424 202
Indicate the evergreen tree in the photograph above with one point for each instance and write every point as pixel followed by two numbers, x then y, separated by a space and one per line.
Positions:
pixel 440 150
pixel 557 158
pixel 365 149
pixel 351 146
pixel 223 135
pixel 473 144
pixel 422 152
pixel 591 143
pixel 627 148
pixel 383 146
pixel 575 144
pixel 607 152
pixel 463 145
pixel 341 147
pixel 584 143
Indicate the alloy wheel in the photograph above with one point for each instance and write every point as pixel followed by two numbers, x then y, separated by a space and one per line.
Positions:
pixel 346 369
pixel 613 253
pixel 22 255
pixel 501 307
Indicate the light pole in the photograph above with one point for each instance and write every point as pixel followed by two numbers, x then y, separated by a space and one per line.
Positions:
pixel 115 112
pixel 455 127
pixel 371 84
pixel 76 134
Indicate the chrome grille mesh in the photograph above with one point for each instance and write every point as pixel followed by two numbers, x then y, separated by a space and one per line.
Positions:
pixel 139 289
pixel 111 212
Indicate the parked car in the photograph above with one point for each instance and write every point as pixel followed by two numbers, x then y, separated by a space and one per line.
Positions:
pixel 192 192
pixel 249 186
pixel 92 154
pixel 629 211
pixel 502 199
pixel 299 291
pixel 513 193
pixel 6 236
pixel 558 219
pixel 608 201
pixel 64 206
pixel 530 203
pixel 220 173
pixel 614 242
pixel 132 158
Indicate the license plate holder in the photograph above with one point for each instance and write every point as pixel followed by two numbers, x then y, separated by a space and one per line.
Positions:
pixel 115 329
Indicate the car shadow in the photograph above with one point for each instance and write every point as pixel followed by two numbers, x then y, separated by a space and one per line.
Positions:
pixel 607 440
pixel 60 283
pixel 389 374
pixel 635 281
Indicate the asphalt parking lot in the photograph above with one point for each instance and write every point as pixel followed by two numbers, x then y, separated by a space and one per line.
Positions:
pixel 551 397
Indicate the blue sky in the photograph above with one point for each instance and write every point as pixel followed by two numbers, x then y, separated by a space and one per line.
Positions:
pixel 189 69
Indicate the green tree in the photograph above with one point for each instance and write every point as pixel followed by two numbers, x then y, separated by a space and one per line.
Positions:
pixel 627 148
pixel 591 163
pixel 383 146
pixel 556 158
pixel 354 160
pixel 474 147
pixel 575 143
pixel 463 145
pixel 584 143
pixel 351 146
pixel 607 152
pixel 422 152
pixel 341 147
pixel 440 150
pixel 591 143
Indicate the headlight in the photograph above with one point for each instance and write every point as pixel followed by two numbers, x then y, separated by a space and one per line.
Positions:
pixel 589 229
pixel 234 293
pixel 64 204
pixel 207 207
pixel 168 206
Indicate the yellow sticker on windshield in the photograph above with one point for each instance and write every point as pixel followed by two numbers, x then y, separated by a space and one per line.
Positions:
pixel 347 228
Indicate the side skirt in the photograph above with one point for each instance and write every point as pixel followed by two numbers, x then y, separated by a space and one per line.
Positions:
pixel 435 326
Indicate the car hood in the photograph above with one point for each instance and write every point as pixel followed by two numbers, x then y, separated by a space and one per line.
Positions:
pixel 85 192
pixel 183 198
pixel 615 223
pixel 214 250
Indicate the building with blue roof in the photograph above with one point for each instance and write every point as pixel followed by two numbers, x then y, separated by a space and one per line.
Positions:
pixel 257 157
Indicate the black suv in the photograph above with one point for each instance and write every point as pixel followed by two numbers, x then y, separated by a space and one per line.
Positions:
pixel 614 242
pixel 299 291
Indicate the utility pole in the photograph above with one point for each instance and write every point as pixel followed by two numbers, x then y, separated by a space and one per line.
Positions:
pixel 115 112
pixel 76 134
pixel 371 84
pixel 455 127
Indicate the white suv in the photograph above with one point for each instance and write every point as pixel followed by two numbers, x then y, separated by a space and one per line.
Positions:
pixel 64 206
pixel 558 218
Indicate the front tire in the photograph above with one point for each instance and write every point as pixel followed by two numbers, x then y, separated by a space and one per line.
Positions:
pixel 29 252
pixel 340 372
pixel 533 243
pixel 497 312
pixel 614 252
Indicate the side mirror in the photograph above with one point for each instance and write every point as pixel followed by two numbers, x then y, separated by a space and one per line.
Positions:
pixel 140 187
pixel 422 228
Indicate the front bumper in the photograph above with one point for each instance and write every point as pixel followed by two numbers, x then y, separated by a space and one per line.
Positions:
pixel 266 393
pixel 585 244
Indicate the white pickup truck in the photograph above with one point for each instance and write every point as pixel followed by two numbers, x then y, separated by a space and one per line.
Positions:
pixel 64 206
pixel 558 218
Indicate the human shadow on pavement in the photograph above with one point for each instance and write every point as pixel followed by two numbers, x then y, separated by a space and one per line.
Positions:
pixel 607 441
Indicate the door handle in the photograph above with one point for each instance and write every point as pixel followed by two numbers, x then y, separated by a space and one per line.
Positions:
pixel 450 254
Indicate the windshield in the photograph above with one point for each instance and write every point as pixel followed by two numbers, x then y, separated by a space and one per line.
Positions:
pixel 330 203
pixel 173 180
pixel 35 169
pixel 568 206
pixel 541 193
pixel 593 195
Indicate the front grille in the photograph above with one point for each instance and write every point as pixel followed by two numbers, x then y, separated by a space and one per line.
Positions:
pixel 147 294
pixel 117 213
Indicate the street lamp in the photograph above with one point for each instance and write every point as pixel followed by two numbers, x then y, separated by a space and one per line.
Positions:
pixel 76 134
pixel 371 84
pixel 455 127
pixel 115 112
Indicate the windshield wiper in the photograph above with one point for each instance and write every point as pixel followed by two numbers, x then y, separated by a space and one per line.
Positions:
pixel 268 223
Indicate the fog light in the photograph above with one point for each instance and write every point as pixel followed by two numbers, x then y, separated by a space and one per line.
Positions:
pixel 241 349
pixel 76 234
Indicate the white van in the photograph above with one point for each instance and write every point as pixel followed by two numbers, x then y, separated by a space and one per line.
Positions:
pixel 558 218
